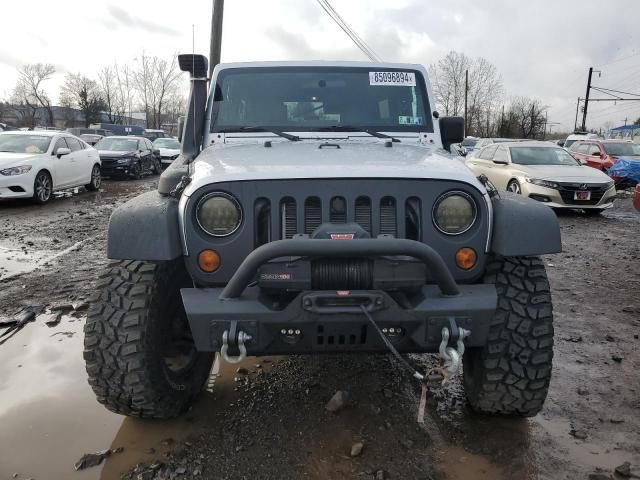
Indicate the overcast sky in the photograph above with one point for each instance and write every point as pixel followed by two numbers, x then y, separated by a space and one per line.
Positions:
pixel 542 49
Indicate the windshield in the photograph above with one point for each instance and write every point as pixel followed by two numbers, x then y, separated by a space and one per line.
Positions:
pixel 117 144
pixel 541 156
pixel 24 143
pixel 469 142
pixel 313 98
pixel 167 143
pixel 621 149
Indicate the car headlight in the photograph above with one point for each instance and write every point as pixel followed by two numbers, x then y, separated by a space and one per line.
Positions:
pixel 542 183
pixel 124 160
pixel 16 170
pixel 454 213
pixel 219 214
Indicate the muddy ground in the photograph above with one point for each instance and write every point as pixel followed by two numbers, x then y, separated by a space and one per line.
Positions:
pixel 270 422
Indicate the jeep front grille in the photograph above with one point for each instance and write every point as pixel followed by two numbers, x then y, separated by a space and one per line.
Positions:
pixel 382 216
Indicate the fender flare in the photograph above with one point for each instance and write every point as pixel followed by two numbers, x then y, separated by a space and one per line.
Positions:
pixel 145 228
pixel 523 227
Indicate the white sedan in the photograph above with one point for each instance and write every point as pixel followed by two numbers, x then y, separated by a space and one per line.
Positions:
pixel 34 164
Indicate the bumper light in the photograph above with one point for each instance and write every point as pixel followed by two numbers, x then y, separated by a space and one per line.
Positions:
pixel 16 170
pixel 466 258
pixel 209 261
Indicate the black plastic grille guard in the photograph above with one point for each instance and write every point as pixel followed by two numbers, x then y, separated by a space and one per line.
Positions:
pixel 340 248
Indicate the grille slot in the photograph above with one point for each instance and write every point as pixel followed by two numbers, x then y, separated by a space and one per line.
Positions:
pixel 338 210
pixel 312 214
pixel 388 216
pixel 289 218
pixel 363 213
pixel 326 337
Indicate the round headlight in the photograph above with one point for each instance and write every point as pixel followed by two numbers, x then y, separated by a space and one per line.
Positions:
pixel 454 213
pixel 219 214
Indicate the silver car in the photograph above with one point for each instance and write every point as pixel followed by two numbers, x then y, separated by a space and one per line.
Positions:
pixel 545 173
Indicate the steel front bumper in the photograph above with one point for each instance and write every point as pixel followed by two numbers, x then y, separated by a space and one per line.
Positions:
pixel 332 321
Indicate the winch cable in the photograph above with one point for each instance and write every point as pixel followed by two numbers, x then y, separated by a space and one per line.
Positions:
pixel 387 342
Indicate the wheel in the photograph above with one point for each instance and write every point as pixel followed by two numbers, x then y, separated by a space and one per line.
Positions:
pixel 136 171
pixel 42 188
pixel 96 179
pixel 514 186
pixel 157 166
pixel 593 211
pixel 511 373
pixel 139 353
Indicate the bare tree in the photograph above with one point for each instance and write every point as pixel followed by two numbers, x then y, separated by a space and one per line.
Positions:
pixel 525 118
pixel 156 80
pixel 29 94
pixel 126 89
pixel 110 93
pixel 82 93
pixel 484 90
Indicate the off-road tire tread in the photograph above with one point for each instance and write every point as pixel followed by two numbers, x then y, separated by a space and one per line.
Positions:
pixel 121 356
pixel 511 374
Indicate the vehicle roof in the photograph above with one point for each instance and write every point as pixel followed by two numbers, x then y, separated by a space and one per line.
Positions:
pixel 128 137
pixel 318 63
pixel 42 133
pixel 531 143
pixel 605 140
pixel 153 130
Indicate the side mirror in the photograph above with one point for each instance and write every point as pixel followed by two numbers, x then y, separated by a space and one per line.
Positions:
pixel 63 151
pixel 451 130
pixel 560 143
pixel 156 152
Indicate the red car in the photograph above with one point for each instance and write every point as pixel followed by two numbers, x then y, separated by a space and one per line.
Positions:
pixel 636 198
pixel 602 154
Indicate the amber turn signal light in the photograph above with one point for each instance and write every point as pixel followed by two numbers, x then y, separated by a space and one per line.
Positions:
pixel 466 258
pixel 209 261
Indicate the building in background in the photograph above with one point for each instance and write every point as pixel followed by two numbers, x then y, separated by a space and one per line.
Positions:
pixel 626 132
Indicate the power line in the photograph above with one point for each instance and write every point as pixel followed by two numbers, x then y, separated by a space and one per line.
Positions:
pixel 619 60
pixel 361 44
pixel 617 91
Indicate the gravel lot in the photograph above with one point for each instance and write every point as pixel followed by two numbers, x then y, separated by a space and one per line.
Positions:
pixel 268 421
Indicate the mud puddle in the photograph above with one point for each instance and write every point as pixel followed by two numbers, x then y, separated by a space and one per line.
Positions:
pixel 18 261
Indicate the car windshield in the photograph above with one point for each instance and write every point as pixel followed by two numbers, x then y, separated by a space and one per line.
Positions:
pixel 24 143
pixel 469 142
pixel 320 98
pixel 621 149
pixel 167 143
pixel 568 143
pixel 541 156
pixel 117 144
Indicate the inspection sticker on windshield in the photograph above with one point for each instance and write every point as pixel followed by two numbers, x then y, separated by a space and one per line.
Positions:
pixel 401 79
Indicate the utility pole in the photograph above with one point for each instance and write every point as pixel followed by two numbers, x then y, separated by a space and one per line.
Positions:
pixel 502 122
pixel 466 93
pixel 586 101
pixel 216 34
pixel 575 124
pixel 544 133
pixel 625 121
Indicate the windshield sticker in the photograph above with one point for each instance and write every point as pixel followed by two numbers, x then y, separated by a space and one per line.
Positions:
pixel 398 79
pixel 407 120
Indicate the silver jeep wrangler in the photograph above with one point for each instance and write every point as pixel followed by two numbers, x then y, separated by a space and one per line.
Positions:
pixel 315 208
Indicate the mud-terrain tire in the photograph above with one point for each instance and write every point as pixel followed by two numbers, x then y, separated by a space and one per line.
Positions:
pixel 135 364
pixel 510 375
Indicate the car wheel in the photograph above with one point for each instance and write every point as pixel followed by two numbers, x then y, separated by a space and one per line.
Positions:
pixel 42 188
pixel 136 171
pixel 139 353
pixel 157 166
pixel 96 179
pixel 510 375
pixel 514 186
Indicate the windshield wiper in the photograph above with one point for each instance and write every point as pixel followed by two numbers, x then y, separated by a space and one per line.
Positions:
pixel 351 128
pixel 293 138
